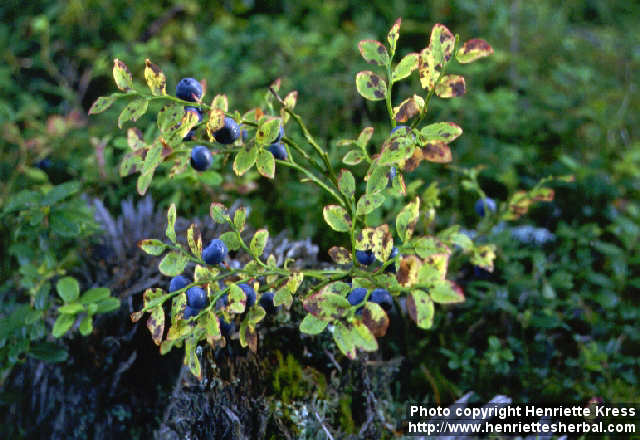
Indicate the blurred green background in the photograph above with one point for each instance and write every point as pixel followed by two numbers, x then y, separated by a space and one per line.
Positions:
pixel 559 96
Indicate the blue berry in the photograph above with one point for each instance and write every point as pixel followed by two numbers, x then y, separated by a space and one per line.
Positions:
pixel 357 295
pixel 196 297
pixel 245 135
pixel 479 206
pixel 280 135
pixel 266 302
pixel 190 312
pixel 392 267
pixel 382 297
pixel 249 292
pixel 278 150
pixel 200 158
pixel 398 128
pixel 189 89
pixel 227 328
pixel 179 282
pixel 229 133
pixel 365 257
pixel 215 252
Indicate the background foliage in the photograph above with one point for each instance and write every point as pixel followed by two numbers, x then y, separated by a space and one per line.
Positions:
pixel 559 315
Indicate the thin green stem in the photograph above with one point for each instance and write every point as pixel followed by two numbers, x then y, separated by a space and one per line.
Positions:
pixel 314 179
pixel 388 96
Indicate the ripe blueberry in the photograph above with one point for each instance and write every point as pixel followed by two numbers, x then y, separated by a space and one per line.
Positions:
pixel 179 282
pixel 200 158
pixel 189 89
pixel 190 312
pixel 229 133
pixel 479 206
pixel 245 135
pixel 249 292
pixel 266 302
pixel 382 297
pixel 278 150
pixel 365 257
pixel 227 328
pixel 280 135
pixel 196 297
pixel 215 252
pixel 357 295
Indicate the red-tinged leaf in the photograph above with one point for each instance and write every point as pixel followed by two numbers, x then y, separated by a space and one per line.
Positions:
pixel 291 99
pixel 373 52
pixel 408 108
pixel 135 316
pixel 371 86
pixel 473 50
pixel 436 152
pixel 407 273
pixel 326 306
pixel 446 292
pixel 376 319
pixel 134 139
pixel 451 86
pixel 420 308
pixel 156 80
pixel 122 75
pixel 340 255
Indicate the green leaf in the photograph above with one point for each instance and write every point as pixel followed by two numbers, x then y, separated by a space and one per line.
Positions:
pixel 86 325
pixel 393 35
pixel 239 218
pixel 364 137
pixel 473 50
pixel 295 279
pixel 344 340
pixel 420 308
pixel 218 213
pixel 151 298
pixel 191 358
pixel 353 157
pixel 101 104
pixel 337 218
pixel 369 203
pixel 407 218
pixel 283 297
pixel 445 293
pixel 169 117
pixel 72 308
pixel 68 289
pixel 441 131
pixel 258 242
pixel 397 148
pixel 173 264
pixel 143 182
pixel 245 159
pixel 62 324
pixel 122 76
pixel 441 43
pixel 94 295
pixel 371 86
pixel 133 111
pixel 362 337
pixel 237 299
pixel 231 239
pixel 377 179
pixel 135 139
pixel 156 80
pixel 312 325
pixel 48 352
pixel 108 305
pixel 340 255
pixel 268 132
pixel 266 164
pixel 255 315
pixel 171 223
pixel 327 306
pixel 374 52
pixel 403 69
pixel 346 183
pixel 60 192
pixel 220 102
pixel 450 86
pixel 131 162
pixel 152 246
pixel 483 256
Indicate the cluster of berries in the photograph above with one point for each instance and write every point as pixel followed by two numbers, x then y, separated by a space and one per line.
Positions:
pixel 189 89
pixel 378 296
pixel 367 258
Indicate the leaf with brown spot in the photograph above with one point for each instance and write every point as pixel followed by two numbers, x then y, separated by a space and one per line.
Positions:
pixel 394 34
pixel 376 178
pixel 253 115
pixel 371 86
pixel 441 43
pixel 397 148
pixel 336 217
pixel 362 337
pixel 376 319
pixel 398 186
pixel 407 218
pixel 436 151
pixel 194 239
pixel 364 137
pixel 484 256
pixel 156 80
pixel 427 69
pixel 326 306
pixel 134 139
pixel 155 324
pixel 407 274
pixel 101 104
pixel 344 340
pixel 451 86
pixel 340 255
pixel 373 52
pixel 408 108
pixel 133 111
pixel 382 242
pixel 420 308
pixel 122 75
pixel 214 123
pixel 473 50
pixel 191 358
pixel 135 316
pixel 441 131
pixel 369 203
pixel 439 262
pixel 312 325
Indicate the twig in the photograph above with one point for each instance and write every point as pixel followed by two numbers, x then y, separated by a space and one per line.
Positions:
pixel 326 431
pixel 333 360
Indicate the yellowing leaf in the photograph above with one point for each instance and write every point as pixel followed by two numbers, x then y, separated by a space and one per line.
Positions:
pixel 156 80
